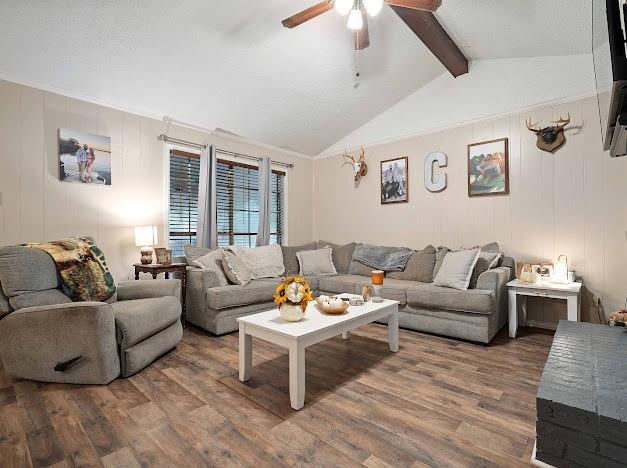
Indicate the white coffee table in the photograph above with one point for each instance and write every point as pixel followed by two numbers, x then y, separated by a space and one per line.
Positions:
pixel 314 328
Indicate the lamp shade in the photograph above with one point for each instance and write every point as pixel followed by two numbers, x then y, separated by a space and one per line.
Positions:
pixel 146 236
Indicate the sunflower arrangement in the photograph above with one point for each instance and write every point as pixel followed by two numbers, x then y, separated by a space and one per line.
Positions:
pixel 294 290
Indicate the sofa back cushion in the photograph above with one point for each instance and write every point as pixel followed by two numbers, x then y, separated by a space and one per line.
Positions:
pixel 342 255
pixel 24 270
pixel 193 252
pixel 263 262
pixel 485 262
pixel 289 256
pixel 39 298
pixel 419 267
pixel 358 268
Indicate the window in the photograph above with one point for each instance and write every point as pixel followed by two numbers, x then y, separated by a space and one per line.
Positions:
pixel 237 202
pixel 183 201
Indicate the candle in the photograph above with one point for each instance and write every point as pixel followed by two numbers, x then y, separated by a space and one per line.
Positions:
pixel 377 277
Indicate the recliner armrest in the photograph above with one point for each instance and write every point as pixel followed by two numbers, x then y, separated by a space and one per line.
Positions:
pixel 35 340
pixel 147 289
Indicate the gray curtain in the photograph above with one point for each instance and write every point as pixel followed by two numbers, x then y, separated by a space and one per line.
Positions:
pixel 265 201
pixel 207 228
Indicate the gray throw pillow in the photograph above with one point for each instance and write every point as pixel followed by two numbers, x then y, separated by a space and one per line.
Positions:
pixel 290 260
pixel 342 255
pixel 212 262
pixel 358 268
pixel 485 262
pixel 439 258
pixel 456 269
pixel 235 269
pixel 419 267
pixel 192 252
pixel 39 298
pixel 316 262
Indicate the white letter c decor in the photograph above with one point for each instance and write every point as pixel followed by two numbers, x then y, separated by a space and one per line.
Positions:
pixel 439 183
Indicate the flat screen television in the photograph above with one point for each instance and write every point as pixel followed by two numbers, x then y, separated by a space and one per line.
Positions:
pixel 609 51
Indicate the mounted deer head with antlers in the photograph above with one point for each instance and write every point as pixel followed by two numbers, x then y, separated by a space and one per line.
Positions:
pixel 360 168
pixel 550 138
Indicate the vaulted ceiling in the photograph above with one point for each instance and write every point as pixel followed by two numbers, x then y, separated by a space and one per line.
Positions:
pixel 231 65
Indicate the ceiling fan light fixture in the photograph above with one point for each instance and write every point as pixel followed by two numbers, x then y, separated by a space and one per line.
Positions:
pixel 355 20
pixel 343 7
pixel 373 7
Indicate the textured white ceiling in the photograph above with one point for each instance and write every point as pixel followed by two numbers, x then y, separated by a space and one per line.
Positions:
pixel 231 65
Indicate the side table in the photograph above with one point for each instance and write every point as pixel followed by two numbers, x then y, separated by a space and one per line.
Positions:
pixel 156 269
pixel 568 292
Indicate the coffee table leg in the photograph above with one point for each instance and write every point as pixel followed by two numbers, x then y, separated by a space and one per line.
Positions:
pixel 245 354
pixel 346 335
pixel 297 376
pixel 393 331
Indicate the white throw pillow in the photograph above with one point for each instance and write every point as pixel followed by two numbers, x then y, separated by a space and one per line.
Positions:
pixel 212 262
pixel 457 268
pixel 316 262
pixel 263 262
pixel 235 268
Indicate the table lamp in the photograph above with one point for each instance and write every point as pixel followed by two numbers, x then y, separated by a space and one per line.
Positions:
pixel 377 285
pixel 146 238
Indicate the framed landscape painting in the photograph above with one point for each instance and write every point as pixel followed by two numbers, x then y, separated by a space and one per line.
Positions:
pixel 394 181
pixel 488 168
pixel 84 158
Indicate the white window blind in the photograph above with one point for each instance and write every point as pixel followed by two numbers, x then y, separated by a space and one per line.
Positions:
pixel 183 202
pixel 237 202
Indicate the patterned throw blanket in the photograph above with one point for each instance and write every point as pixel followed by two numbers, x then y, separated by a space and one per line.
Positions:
pixel 383 258
pixel 82 267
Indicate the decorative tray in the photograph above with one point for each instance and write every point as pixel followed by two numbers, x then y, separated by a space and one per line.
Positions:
pixel 337 310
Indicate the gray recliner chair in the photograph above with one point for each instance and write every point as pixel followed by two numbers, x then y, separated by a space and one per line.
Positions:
pixel 45 336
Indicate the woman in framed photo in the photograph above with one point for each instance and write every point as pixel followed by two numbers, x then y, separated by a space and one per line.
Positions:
pixel 394 181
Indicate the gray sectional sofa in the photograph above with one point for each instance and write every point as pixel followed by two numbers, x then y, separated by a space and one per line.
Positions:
pixel 475 314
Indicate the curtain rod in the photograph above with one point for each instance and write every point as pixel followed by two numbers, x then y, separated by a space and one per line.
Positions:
pixel 191 144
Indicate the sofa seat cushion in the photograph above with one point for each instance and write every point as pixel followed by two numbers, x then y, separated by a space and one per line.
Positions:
pixel 478 301
pixel 39 298
pixel 343 284
pixel 396 290
pixel 234 295
pixel 139 319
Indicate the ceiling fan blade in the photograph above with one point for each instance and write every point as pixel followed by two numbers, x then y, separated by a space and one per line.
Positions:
pixel 427 27
pixel 362 37
pixel 424 5
pixel 306 15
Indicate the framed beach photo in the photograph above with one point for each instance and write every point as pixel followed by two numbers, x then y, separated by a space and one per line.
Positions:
pixel 84 158
pixel 488 168
pixel 394 181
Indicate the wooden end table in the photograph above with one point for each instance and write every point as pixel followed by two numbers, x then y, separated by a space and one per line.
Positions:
pixel 155 269
pixel 568 292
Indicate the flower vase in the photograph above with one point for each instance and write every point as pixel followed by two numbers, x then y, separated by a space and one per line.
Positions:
pixel 291 312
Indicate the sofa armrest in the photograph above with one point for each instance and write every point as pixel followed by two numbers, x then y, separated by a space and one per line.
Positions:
pixel 36 340
pixel 147 289
pixel 198 282
pixel 493 279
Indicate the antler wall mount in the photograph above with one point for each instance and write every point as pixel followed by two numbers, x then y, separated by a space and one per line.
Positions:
pixel 360 168
pixel 550 138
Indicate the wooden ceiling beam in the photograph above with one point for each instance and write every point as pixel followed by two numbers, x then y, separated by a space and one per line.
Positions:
pixel 427 27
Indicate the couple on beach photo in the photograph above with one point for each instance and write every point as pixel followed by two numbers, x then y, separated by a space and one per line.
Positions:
pixel 84 157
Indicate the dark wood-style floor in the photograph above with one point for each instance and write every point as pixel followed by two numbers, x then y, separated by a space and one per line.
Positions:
pixel 438 402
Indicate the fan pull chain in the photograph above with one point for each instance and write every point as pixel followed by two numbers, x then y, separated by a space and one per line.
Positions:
pixel 357 71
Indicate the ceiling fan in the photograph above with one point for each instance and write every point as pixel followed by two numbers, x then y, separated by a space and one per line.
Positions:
pixel 417 14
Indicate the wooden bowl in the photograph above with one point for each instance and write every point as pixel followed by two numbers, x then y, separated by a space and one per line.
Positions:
pixel 337 310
